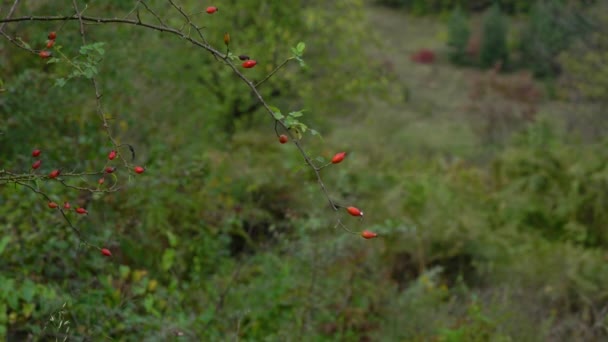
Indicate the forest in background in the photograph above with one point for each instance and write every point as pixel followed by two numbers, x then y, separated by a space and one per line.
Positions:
pixel 475 140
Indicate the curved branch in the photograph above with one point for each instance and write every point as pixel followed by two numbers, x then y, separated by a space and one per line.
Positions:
pixel 201 44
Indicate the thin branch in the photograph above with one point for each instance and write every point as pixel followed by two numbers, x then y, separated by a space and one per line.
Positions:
pixel 153 13
pixel 10 13
pixel 274 71
pixel 222 297
pixel 76 230
pixel 99 20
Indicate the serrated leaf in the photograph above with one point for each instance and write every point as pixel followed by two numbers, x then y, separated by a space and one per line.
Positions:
pixel 296 114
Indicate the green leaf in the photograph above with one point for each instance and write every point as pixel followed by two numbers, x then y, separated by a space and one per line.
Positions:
pixel 28 308
pixel 94 47
pixel 276 112
pixel 172 239
pixel 26 45
pixel 296 114
pixel 27 290
pixel 4 242
pixel 290 121
pixel 168 258
pixel 124 271
pixel 274 109
pixel 300 47
pixel 60 82
pixel 53 60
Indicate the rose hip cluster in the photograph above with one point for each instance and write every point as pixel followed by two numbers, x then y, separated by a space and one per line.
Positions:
pixel 49 44
pixel 55 173
pixel 248 63
pixel 353 211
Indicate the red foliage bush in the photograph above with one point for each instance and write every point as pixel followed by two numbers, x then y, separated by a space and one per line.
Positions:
pixel 424 56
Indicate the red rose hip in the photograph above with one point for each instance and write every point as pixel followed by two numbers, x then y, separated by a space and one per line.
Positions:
pixel 139 169
pixel 44 54
pixel 211 9
pixel 283 138
pixel 112 155
pixel 248 64
pixel 54 173
pixel 36 153
pixel 106 252
pixel 366 234
pixel 52 35
pixel 354 211
pixel 36 164
pixel 338 158
pixel 81 210
pixel 52 205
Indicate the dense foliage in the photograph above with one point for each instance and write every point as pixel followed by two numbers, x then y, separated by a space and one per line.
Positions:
pixel 438 6
pixel 491 210
pixel 534 44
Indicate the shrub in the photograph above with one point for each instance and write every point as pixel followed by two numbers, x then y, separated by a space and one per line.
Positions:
pixel 422 7
pixel 502 105
pixel 585 61
pixel 424 56
pixel 547 33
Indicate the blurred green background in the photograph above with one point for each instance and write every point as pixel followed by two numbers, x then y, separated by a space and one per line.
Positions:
pixel 477 150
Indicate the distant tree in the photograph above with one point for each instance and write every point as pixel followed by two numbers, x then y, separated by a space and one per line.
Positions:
pixel 458 36
pixel 494 39
pixel 548 32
